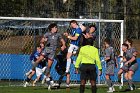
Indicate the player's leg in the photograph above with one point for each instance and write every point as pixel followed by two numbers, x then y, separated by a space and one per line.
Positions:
pixel 119 75
pixel 82 86
pixel 37 79
pixel 72 49
pixel 67 80
pixel 49 78
pixel 131 72
pixel 28 73
pixel 29 77
pixel 67 72
pixel 109 83
pixel 44 76
pixel 38 74
pixel 110 72
pixel 69 54
pixel 83 77
pixel 60 80
pixel 126 78
pixel 93 76
pixel 93 86
pixel 68 69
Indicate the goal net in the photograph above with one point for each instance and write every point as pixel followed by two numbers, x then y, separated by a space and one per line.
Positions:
pixel 19 36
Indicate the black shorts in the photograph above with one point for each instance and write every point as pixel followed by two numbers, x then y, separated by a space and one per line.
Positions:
pixel 88 71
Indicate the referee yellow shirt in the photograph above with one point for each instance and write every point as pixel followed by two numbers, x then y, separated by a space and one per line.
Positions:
pixel 88 55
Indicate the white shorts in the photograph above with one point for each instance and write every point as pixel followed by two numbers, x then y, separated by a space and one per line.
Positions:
pixel 73 49
pixel 40 71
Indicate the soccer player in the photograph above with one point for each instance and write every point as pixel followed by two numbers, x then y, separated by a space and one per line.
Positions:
pixel 131 62
pixel 88 32
pixel 40 69
pixel 124 68
pixel 88 57
pixel 91 33
pixel 110 63
pixel 74 36
pixel 31 72
pixel 61 65
pixel 33 58
pixel 51 40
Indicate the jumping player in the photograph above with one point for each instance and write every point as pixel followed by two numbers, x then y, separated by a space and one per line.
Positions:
pixel 51 40
pixel 74 45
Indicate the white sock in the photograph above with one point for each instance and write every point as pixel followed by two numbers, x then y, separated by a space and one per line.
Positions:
pixel 68 65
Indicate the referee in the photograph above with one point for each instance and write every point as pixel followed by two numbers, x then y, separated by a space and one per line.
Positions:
pixel 88 57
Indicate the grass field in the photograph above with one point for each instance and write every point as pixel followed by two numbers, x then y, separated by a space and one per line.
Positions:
pixel 101 89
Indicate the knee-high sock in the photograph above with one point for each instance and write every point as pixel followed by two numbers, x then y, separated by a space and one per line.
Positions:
pixel 82 88
pixel 130 82
pixel 68 65
pixel 28 79
pixel 94 89
pixel 109 83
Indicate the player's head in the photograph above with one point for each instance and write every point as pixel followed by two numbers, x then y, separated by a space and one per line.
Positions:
pixel 107 42
pixel 92 28
pixel 42 45
pixel 39 49
pixel 73 24
pixel 124 47
pixel 129 42
pixel 89 41
pixel 53 27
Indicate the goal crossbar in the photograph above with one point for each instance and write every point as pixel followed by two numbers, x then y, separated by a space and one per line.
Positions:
pixel 58 19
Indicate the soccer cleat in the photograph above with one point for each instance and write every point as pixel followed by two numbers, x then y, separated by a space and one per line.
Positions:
pixel 49 85
pixel 67 86
pixel 52 83
pixel 132 88
pixel 43 80
pixel 113 89
pixel 26 84
pixel 120 87
pixel 34 84
pixel 110 90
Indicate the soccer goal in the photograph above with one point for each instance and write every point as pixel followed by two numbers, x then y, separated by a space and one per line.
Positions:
pixel 20 35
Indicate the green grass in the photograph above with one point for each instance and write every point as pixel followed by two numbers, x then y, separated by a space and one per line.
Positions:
pixel 101 89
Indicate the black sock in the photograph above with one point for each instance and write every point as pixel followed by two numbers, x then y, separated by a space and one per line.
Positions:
pixel 94 89
pixel 28 79
pixel 50 78
pixel 82 88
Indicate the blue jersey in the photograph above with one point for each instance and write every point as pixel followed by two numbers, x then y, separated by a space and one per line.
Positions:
pixel 76 32
pixel 34 56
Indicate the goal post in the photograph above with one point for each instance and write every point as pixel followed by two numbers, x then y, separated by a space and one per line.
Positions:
pixel 20 35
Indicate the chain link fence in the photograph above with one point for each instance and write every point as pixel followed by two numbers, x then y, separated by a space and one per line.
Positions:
pixel 20 37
